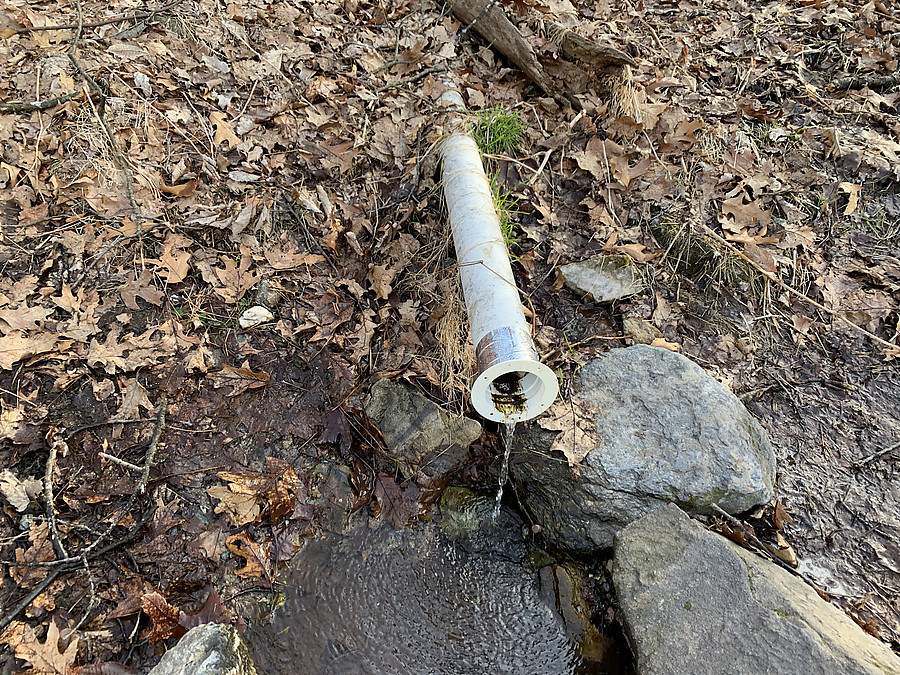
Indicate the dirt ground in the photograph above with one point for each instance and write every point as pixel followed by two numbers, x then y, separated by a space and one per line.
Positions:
pixel 165 168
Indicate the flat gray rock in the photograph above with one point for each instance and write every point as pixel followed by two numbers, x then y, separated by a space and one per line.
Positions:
pixel 694 603
pixel 656 429
pixel 419 435
pixel 210 649
pixel 603 277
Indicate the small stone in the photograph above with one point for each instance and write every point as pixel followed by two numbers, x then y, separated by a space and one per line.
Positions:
pixel 695 603
pixel 255 316
pixel 603 277
pixel 210 649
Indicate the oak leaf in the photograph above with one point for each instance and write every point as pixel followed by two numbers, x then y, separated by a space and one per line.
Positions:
pixel 45 657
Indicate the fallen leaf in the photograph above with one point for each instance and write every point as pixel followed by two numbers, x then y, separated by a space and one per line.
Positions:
pixel 15 346
pixel 137 287
pixel 397 504
pixel 223 131
pixel 256 556
pixel 576 423
pixel 164 617
pixel 46 657
pixel 19 493
pixel 239 379
pixel 381 278
pixel 665 344
pixel 852 191
pixel 24 318
pixel 133 399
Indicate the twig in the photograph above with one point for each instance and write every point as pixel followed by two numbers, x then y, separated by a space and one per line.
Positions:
pixel 120 462
pixel 154 442
pixel 37 105
pixel 92 603
pixel 872 81
pixel 68 566
pixel 105 422
pixel 871 458
pixel 55 444
pixel 96 24
pixel 412 78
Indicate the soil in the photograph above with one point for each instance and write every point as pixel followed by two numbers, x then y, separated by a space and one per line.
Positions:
pixel 284 155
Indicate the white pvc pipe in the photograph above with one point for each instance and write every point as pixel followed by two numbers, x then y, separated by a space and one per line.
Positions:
pixel 512 384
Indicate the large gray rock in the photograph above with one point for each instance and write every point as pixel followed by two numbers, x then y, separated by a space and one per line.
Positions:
pixel 655 428
pixel 419 435
pixel 603 277
pixel 210 649
pixel 695 603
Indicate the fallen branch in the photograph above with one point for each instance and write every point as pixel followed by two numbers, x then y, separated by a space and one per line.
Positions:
pixel 872 81
pixel 146 14
pixel 18 108
pixel 154 442
pixel 557 77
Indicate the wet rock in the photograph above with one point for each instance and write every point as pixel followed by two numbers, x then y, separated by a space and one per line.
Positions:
pixel 695 603
pixel 664 431
pixel 210 649
pixel 419 435
pixel 604 277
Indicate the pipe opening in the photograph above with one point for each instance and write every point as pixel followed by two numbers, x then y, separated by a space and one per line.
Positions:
pixel 514 391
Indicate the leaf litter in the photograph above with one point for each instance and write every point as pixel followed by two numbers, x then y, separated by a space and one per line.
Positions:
pixel 282 155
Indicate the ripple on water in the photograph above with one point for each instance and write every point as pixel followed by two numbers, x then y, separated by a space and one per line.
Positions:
pixel 386 602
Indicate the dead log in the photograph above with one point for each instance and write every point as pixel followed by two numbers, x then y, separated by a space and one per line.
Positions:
pixel 579 65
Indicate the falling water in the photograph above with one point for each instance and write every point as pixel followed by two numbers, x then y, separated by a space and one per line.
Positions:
pixel 508 433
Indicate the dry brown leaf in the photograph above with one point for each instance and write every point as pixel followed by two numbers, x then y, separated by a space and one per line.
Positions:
pixel 256 555
pixel 239 379
pixel 578 427
pixel 175 260
pixel 15 346
pixel 381 277
pixel 137 287
pixel 223 130
pixel 164 617
pixel 285 257
pixel 45 657
pixel 852 190
pixel 133 399
pixel 665 344
pixel 18 493
pixel 24 318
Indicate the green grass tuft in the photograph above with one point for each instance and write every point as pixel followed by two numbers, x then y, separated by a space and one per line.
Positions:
pixel 499 132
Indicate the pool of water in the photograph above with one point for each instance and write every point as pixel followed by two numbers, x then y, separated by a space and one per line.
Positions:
pixel 428 600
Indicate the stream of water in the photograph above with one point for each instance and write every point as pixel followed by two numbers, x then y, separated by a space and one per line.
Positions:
pixel 509 432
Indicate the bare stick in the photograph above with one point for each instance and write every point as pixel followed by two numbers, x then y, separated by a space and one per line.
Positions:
pixel 876 455
pixel 154 442
pixel 70 565
pixel 55 445
pixel 96 24
pixel 37 105
pixel 872 81
pixel 120 462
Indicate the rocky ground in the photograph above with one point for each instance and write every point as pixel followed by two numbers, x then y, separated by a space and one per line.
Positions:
pixel 166 168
